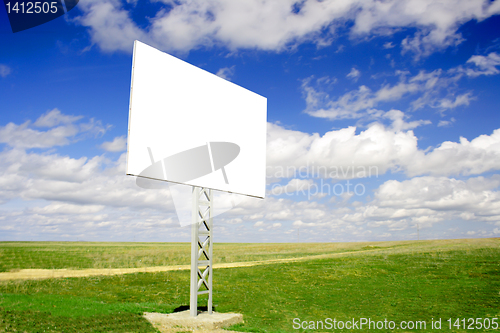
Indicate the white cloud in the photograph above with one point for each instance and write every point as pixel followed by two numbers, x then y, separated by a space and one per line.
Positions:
pixel 105 202
pixel 111 26
pixel 460 100
pixel 65 208
pixel 428 200
pixel 436 192
pixel 340 153
pixel 4 70
pixel 294 185
pixel 274 25
pixel 436 89
pixel 396 206
pixel 83 181
pixel 343 154
pixel 258 224
pixel 486 65
pixel 398 121
pixel 118 144
pixel 424 44
pixel 22 136
pixel 226 72
pixel 474 157
pixel 445 123
pixel 50 194
pixel 52 167
pixel 354 74
pixel 388 45
pixel 355 103
pixel 54 117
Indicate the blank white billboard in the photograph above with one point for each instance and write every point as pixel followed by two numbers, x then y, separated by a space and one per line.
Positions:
pixel 192 127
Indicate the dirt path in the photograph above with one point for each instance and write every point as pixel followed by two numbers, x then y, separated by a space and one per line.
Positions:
pixel 30 274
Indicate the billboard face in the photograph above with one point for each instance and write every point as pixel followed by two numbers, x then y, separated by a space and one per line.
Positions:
pixel 191 127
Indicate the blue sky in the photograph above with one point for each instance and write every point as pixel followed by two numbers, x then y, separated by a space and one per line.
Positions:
pixel 405 93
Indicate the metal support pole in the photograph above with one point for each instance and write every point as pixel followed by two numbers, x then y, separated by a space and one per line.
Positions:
pixel 201 249
pixel 210 250
pixel 193 302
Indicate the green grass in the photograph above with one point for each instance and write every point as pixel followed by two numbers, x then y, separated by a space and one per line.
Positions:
pixel 399 281
pixel 80 255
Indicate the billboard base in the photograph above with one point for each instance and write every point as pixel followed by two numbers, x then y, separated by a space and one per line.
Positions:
pixel 180 321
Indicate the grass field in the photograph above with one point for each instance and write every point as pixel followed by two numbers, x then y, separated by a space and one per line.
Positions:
pixel 80 255
pixel 397 281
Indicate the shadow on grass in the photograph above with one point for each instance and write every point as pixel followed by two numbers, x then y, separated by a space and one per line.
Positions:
pixel 186 307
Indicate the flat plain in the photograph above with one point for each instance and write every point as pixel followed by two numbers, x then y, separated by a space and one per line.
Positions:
pixel 305 282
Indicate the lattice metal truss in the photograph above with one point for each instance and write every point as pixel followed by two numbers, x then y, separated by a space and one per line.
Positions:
pixel 201 248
